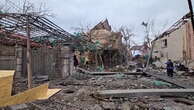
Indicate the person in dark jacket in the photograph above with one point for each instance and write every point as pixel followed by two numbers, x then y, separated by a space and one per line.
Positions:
pixel 75 61
pixel 170 68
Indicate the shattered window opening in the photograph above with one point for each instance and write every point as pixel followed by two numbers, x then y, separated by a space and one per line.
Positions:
pixel 164 43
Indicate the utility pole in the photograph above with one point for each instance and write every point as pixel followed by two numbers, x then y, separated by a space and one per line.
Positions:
pixel 191 12
pixel 29 61
pixel 150 55
pixel 147 40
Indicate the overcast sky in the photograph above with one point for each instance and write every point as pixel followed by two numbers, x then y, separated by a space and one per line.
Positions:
pixel 71 14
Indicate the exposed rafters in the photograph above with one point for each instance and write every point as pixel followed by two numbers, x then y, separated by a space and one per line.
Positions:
pixel 39 26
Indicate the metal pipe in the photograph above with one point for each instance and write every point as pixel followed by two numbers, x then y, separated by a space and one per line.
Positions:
pixel 191 12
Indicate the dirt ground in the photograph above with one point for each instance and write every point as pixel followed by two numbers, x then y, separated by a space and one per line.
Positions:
pixel 77 94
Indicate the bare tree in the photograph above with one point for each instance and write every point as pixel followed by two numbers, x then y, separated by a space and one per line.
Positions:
pixel 148 30
pixel 82 27
pixel 151 33
pixel 127 35
pixel 25 7
pixel 40 10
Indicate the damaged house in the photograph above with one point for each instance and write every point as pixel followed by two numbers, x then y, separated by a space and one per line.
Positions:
pixel 100 47
pixel 110 43
pixel 103 33
pixel 177 43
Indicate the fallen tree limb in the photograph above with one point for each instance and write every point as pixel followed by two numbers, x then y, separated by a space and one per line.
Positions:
pixel 145 92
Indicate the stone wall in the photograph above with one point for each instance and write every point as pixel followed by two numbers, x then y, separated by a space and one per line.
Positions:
pixel 64 61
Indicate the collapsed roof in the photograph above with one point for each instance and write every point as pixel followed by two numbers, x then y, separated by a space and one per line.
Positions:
pixel 175 26
pixel 40 27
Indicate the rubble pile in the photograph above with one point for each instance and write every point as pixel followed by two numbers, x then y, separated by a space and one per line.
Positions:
pixel 79 89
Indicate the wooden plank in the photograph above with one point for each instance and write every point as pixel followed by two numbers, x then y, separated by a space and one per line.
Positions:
pixel 6 80
pixel 6 86
pixel 108 73
pixel 50 93
pixel 83 70
pixel 113 73
pixel 171 80
pixel 145 92
pixel 6 73
pixel 26 96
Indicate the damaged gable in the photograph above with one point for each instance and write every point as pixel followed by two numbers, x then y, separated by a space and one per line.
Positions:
pixel 102 25
pixel 103 34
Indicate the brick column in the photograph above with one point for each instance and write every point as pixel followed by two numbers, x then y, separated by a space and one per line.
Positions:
pixel 63 66
pixel 65 58
pixel 18 54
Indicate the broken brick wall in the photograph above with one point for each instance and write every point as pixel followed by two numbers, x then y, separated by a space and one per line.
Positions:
pixel 55 62
pixel 45 61
pixel 63 65
pixel 42 61
pixel 7 57
pixel 11 58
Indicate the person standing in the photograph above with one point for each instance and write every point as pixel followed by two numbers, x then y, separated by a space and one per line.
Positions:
pixel 75 61
pixel 170 68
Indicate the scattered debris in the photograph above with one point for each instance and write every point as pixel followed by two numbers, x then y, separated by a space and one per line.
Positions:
pixel 171 80
pixel 184 101
pixel 93 70
pixel 161 83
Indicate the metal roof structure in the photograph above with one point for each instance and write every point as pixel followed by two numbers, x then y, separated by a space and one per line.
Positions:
pixel 175 26
pixel 39 26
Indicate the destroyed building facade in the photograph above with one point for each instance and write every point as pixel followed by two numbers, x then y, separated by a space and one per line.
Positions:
pixel 110 44
pixel 177 43
pixel 103 33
